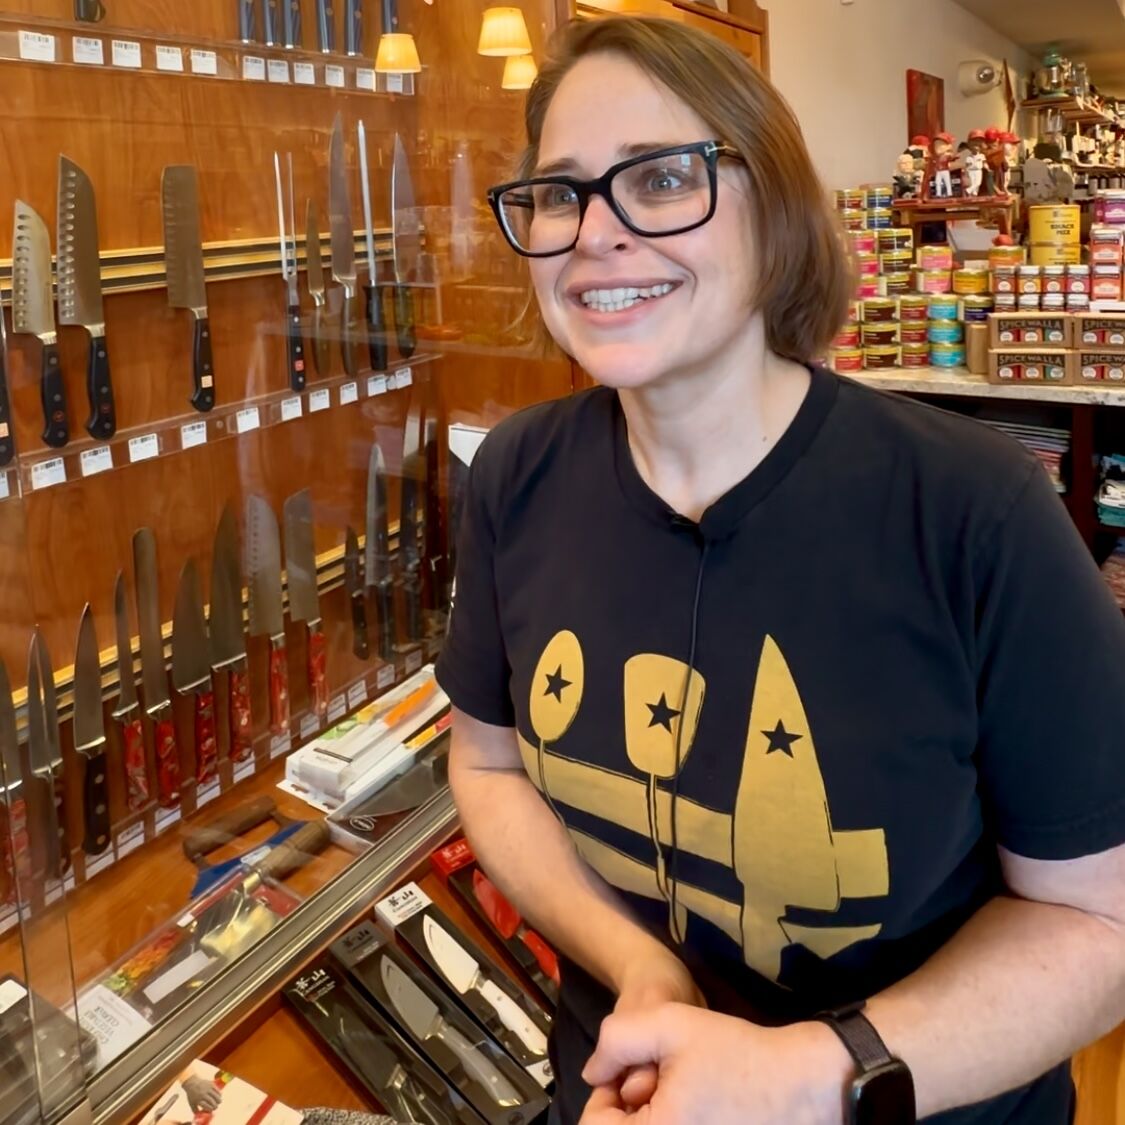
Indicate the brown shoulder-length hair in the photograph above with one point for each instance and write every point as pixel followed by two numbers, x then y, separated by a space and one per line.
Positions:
pixel 804 277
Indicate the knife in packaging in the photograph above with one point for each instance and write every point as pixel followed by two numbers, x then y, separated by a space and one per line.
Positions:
pixel 406 241
pixel 15 865
pixel 288 239
pixel 325 26
pixel 267 613
pixel 128 711
pixel 191 669
pixel 355 591
pixel 89 736
pixel 377 553
pixel 373 293
pixel 314 265
pixel 45 757
pixel 228 640
pixel 304 599
pixel 343 245
pixel 7 444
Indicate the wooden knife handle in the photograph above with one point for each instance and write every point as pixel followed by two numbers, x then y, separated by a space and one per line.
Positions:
pixel 246 21
pixel 321 356
pixel 62 828
pixel 360 645
pixel 376 327
pixel 318 669
pixel 202 366
pixel 349 334
pixel 56 429
pixel 136 770
pixel 7 442
pixel 295 851
pixel 279 686
pixel 95 805
pixel 167 759
pixel 241 743
pixel 206 750
pixel 102 422
pixel 296 347
pixel 215 833
pixel 404 321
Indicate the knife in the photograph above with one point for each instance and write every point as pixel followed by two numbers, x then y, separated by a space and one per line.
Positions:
pixel 15 867
pixel 459 968
pixel 406 244
pixel 128 710
pixel 354 588
pixel 433 522
pixel 314 265
pixel 325 26
pixel 45 756
pixel 377 553
pixel 269 22
pixel 353 26
pixel 410 791
pixel 410 520
pixel 343 243
pixel 291 23
pixel 373 293
pixel 154 676
pixel 7 445
pixel 89 736
pixel 33 312
pixel 289 276
pixel 304 601
pixel 228 640
pixel 246 21
pixel 506 918
pixel 183 258
pixel 267 614
pixel 191 669
pixel 80 289
pixel 422 1017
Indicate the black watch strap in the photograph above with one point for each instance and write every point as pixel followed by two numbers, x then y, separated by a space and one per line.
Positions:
pixel 858 1034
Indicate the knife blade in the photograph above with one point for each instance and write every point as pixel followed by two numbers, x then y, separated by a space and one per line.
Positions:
pixel 33 312
pixel 410 791
pixel 425 1021
pixel 354 587
pixel 183 259
pixel 80 289
pixel 288 240
pixel 89 736
pixel 343 244
pixel 228 640
pixel 459 968
pixel 353 26
pixel 267 614
pixel 154 676
pixel 325 26
pixel 378 574
pixel 191 669
pixel 269 22
pixel 406 243
pixel 304 600
pixel 372 291
pixel 411 516
pixel 7 445
pixel 45 756
pixel 246 30
pixel 128 710
pixel 314 265
pixel 291 23
pixel 15 856
pixel 436 568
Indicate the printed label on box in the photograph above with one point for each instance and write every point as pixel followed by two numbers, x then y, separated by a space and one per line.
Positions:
pixel 291 408
pixel 96 460
pixel 319 400
pixel 304 74
pixel 144 448
pixel 126 53
pixel 44 474
pixel 253 68
pixel 113 1022
pixel 402 904
pixel 204 62
pixel 169 58
pixel 334 76
pixel 247 420
pixel 194 433
pixel 90 52
pixel 376 385
pixel 35 46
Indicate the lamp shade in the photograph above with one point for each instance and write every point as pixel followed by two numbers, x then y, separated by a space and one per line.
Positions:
pixel 519 72
pixel 503 32
pixel 397 54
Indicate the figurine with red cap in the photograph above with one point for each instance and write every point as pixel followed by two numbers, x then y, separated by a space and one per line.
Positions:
pixel 974 163
pixel 941 163
pixel 994 160
pixel 1009 153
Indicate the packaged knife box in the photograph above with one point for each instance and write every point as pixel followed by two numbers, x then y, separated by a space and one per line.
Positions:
pixel 485 991
pixel 457 867
pixel 369 1047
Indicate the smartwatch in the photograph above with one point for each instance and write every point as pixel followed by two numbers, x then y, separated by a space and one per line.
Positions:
pixel 882 1092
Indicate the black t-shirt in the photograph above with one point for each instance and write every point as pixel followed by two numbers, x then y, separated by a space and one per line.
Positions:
pixel 880 655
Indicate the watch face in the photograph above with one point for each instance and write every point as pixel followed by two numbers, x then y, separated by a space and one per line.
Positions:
pixel 884 1096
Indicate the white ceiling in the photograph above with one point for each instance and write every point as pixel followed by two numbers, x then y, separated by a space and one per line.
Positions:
pixel 1091 31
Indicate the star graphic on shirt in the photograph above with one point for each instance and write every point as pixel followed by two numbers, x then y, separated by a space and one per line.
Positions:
pixel 781 739
pixel 556 683
pixel 662 713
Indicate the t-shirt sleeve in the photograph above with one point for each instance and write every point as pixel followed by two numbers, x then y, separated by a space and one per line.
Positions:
pixel 472 667
pixel 1051 685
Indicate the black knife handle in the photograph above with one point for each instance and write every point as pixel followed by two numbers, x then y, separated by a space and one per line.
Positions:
pixel 203 369
pixel 291 23
pixel 353 26
pixel 7 440
pixel 56 429
pixel 246 21
pixel 412 585
pixel 102 422
pixel 404 321
pixel 384 596
pixel 95 805
pixel 349 333
pixel 325 26
pixel 61 827
pixel 359 627
pixel 376 327
pixel 321 356
pixel 296 348
pixel 269 22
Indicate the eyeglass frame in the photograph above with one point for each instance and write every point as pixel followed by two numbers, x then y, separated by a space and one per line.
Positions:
pixel 711 151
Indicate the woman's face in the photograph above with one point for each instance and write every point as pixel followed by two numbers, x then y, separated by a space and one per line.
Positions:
pixel 602 110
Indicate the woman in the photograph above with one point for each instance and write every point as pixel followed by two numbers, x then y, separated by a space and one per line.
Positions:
pixel 772 693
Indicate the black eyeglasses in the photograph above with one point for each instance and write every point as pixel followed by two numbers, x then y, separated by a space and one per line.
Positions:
pixel 655 195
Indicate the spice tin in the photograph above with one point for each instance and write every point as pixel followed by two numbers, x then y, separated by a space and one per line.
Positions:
pixel 935 257
pixel 945 332
pixel 914 332
pixel 1030 279
pixel 895 261
pixel 1053 302
pixel 1004 302
pixel 867 264
pixel 895 238
pixel 1106 283
pixel 880 357
pixel 879 309
pixel 851 199
pixel 948 355
pixel 1004 279
pixel 847 337
pixel 1077 302
pixel 854 220
pixel 913 306
pixel 933 281
pixel 1078 279
pixel 1028 302
pixel 853 312
pixel 976 309
pixel 868 287
pixel 879 195
pixel 863 241
pixel 879 218
pixel 970 281
pixel 879 333
pixel 943 308
pixel 1005 256
pixel 915 355
pixel 1101 366
pixel 896 283
pixel 847 359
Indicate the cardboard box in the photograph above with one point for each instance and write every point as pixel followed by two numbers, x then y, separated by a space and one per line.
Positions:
pixel 1013 330
pixel 976 348
pixel 1099 365
pixel 1099 330
pixel 1040 366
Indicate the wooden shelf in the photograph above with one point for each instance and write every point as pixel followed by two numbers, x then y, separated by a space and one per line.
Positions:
pixel 1074 110
pixel 958 381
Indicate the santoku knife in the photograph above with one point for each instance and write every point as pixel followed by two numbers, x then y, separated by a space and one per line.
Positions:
pixel 406 241
pixel 343 245
pixel 128 710
pixel 304 600
pixel 373 293
pixel 267 613
pixel 33 312
pixel 378 574
pixel 288 238
pixel 353 26
pixel 80 289
pixel 314 266
pixel 183 256
pixel 45 757
pixel 15 859
pixel 412 789
pixel 7 445
pixel 191 669
pixel 354 587
pixel 89 736
pixel 228 639
pixel 325 26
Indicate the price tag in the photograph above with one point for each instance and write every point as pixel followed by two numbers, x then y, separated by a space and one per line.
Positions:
pixel 334 76
pixel 165 818
pixel 126 53
pixel 319 400
pixel 5 488
pixel 144 447
pixel 357 694
pixel 253 68
pixel 376 385
pixel 396 83
pixel 337 709
pixel 402 904
pixel 349 393
pixel 414 661
pixel 44 474
pixel 385 677
pixel 130 839
pixel 193 434
pixel 204 62
pixel 405 376
pixel 90 52
pixel 291 408
pixel 113 1022
pixel 247 420
pixel 365 79
pixel 280 744
pixel 310 724
pixel 169 58
pixel 304 74
pixel 243 770
pixel 205 794
pixel 35 46
pixel 93 866
pixel 96 460
pixel 278 71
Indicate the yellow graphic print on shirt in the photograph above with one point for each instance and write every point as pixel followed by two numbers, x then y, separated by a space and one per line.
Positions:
pixel 778 839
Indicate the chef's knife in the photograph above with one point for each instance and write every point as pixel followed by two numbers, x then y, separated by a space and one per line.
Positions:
pixel 183 256
pixel 14 856
pixel 246 33
pixel 80 289
pixel 291 23
pixel 33 312
pixel 325 26
pixel 422 1017
pixel 228 640
pixel 128 710
pixel 410 531
pixel 89 736
pixel 354 587
pixel 343 244
pixel 377 553
pixel 154 676
pixel 288 242
pixel 269 22
pixel 410 791
pixel 459 968
pixel 372 291
pixel 267 614
pixel 314 265
pixel 406 242
pixel 45 757
pixel 304 601
pixel 353 26
pixel 7 445
pixel 191 669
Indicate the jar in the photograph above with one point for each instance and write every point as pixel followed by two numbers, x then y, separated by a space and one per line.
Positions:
pixel 1004 279
pixel 880 357
pixel 879 218
pixel 847 359
pixel 867 264
pixel 1028 302
pixel 945 332
pixel 943 308
pixel 848 337
pixel 935 257
pixel 1054 279
pixel 1053 302
pixel 933 281
pixel 1077 303
pixel 895 261
pixel 915 355
pixel 912 306
pixel 1005 256
pixel 948 355
pixel 868 287
pixel 1106 283
pixel 853 312
pixel 879 195
pixel 1078 280
pixel 896 283
pixel 914 332
pixel 879 309
pixel 851 199
pixel 1004 302
pixel 1030 279
pixel 970 281
pixel 854 219
pixel 976 309
pixel 880 333
pixel 863 241
pixel 895 238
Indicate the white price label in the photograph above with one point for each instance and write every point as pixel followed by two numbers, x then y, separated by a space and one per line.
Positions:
pixel 253 68
pixel 204 62
pixel 35 46
pixel 44 474
pixel 280 744
pixel 113 1022
pixel 5 488
pixel 414 662
pixel 404 377
pixel 338 708
pixel 402 904
pixel 11 993
pixel 319 400
pixel 96 460
pixel 144 447
pixel 310 724
pixel 193 434
pixel 349 393
pixel 165 818
pixel 365 79
pixel 169 58
pixel 291 408
pixel 205 794
pixel 396 83
pixel 130 840
pixel 93 866
pixel 385 677
pixel 304 74
pixel 278 71
pixel 245 769
pixel 334 76
pixel 376 385
pixel 357 694
pixel 90 52
pixel 247 420
pixel 126 53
